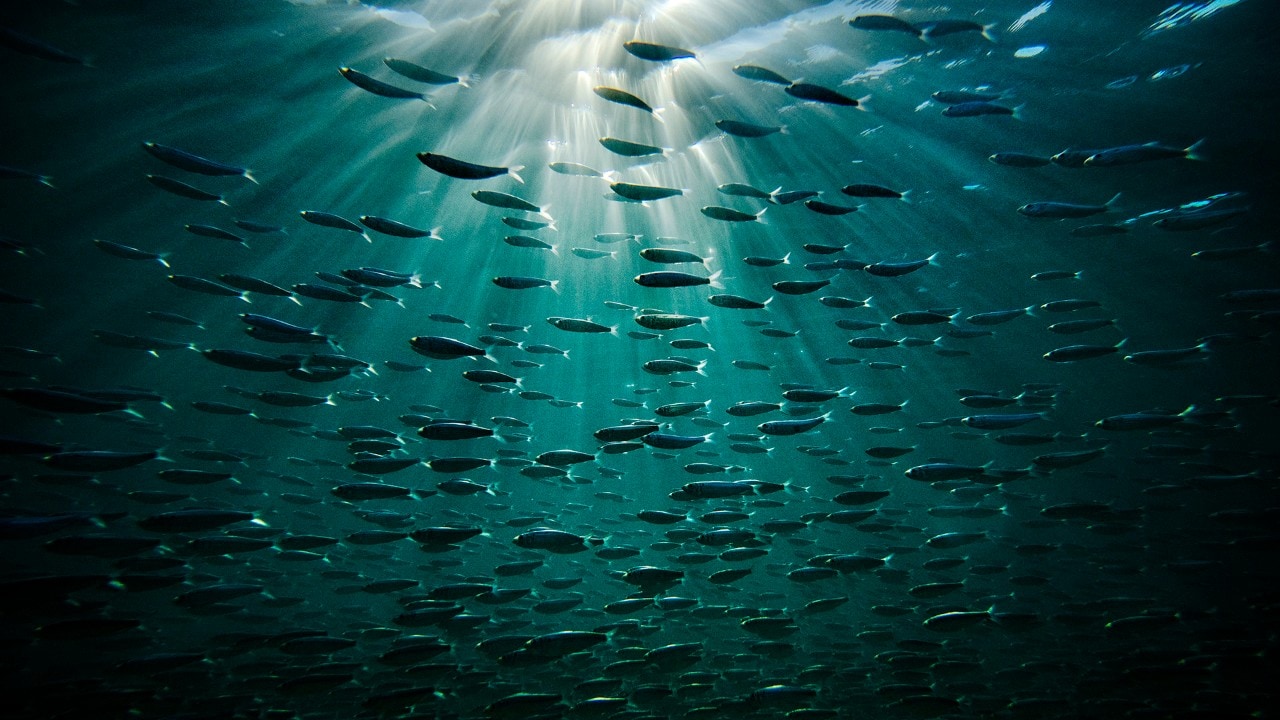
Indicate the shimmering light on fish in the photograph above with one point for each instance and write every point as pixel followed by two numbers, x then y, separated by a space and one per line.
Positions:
pixel 1170 73
pixel 1030 15
pixel 1180 14
pixel 1030 51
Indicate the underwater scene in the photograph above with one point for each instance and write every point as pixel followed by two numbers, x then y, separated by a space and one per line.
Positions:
pixel 639 359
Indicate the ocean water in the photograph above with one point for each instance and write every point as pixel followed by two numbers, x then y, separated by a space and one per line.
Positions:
pixel 1108 552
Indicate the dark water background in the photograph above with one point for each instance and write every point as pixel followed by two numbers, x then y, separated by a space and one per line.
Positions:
pixel 255 83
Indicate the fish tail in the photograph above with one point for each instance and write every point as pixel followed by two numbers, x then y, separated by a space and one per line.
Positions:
pixel 47 181
pixel 714 280
pixel 989 32
pixel 905 196
pixel 161 259
pixel 1192 152
pixel 514 171
pixel 248 175
pixel 1112 203
pixel 1017 111
pixel 861 103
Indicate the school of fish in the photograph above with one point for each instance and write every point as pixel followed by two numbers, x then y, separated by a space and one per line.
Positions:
pixel 806 360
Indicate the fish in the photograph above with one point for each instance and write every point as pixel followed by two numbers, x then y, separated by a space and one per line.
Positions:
pixel 880 23
pixel 394 228
pixel 1131 154
pixel 378 87
pixel 654 52
pixel 724 214
pixel 130 253
pixel 504 200
pixel 421 74
pixel 191 162
pixel 673 279
pixel 177 187
pixel 759 74
pixel 626 148
pixel 644 192
pixel 824 95
pixel 979 108
pixel 1017 159
pixel 622 97
pixel 464 170
pixel 1054 209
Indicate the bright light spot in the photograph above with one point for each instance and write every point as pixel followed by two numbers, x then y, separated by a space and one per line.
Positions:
pixel 1030 15
pixel 1030 51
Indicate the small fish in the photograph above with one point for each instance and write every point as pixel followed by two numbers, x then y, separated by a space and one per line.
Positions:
pixel 464 170
pixel 1075 353
pixel 672 279
pixel 181 189
pixel 655 52
pixel 503 200
pixel 129 253
pixel 670 256
pixel 1130 154
pixel 377 87
pixel 820 94
pixel 330 220
pixel 1051 209
pixel 569 168
pixel 395 228
pixel 825 208
pixel 759 74
pixel 627 148
pixel 979 108
pixel 644 193
pixel 878 22
pixel 1016 159
pixel 414 71
pixel 716 212
pixel 897 269
pixel 874 191
pixel 190 162
pixel 217 233
pixel 515 282
pixel 759 261
pixel 622 97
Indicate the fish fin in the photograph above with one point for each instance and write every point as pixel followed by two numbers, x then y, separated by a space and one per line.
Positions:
pixel 786 259
pixel 714 280
pixel 161 259
pixel 248 175
pixel 862 103
pixel 47 181
pixel 435 233
pixel 771 199
pixel 514 171
pixel 988 32
pixel 906 197
pixel 1192 152
pixel 932 258
pixel 1017 110
pixel 657 114
pixel 1112 203
pixel 466 80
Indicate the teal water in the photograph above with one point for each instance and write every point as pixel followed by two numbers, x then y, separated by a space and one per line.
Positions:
pixel 1136 583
